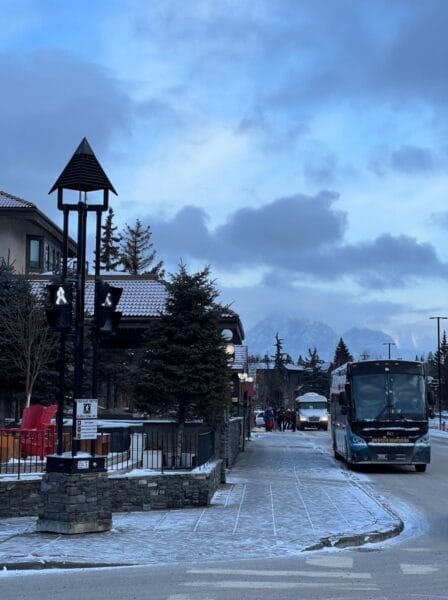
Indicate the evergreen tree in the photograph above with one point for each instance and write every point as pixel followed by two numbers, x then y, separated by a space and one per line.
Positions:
pixel 276 378
pixel 184 370
pixel 315 378
pixel 342 354
pixel 137 253
pixel 434 369
pixel 110 244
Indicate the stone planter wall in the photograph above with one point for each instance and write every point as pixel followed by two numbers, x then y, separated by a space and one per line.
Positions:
pixel 127 492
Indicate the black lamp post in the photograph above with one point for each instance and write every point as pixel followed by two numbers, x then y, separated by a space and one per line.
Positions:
pixel 82 174
pixel 439 373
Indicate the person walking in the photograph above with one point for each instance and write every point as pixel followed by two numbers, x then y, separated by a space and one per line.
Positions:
pixel 280 419
pixel 268 419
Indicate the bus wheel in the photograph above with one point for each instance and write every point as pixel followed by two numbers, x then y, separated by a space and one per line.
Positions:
pixel 420 468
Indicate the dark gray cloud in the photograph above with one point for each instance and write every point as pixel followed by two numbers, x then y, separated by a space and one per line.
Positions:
pixel 49 101
pixel 300 235
pixel 409 160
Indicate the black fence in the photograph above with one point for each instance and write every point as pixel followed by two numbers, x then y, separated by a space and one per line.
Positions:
pixel 24 452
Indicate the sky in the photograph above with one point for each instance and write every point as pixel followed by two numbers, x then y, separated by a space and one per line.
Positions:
pixel 298 148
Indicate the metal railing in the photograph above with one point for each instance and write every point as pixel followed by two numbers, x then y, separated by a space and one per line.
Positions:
pixel 24 452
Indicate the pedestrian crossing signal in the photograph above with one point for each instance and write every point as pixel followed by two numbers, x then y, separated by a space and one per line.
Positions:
pixel 107 317
pixel 59 306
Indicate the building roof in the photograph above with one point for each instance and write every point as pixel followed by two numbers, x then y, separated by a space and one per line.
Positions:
pixel 10 204
pixel 10 201
pixel 141 297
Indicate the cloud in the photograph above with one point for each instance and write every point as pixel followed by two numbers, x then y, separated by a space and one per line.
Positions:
pixel 301 236
pixel 407 160
pixel 53 99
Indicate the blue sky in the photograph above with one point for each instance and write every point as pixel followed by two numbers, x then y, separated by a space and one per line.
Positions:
pixel 299 148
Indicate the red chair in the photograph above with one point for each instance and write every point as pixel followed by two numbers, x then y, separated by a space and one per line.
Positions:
pixel 36 433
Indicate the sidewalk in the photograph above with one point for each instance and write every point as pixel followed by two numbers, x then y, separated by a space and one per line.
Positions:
pixel 284 496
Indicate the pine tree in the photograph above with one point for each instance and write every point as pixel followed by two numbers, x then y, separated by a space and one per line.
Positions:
pixel 315 378
pixel 184 366
pixel 110 256
pixel 342 354
pixel 136 251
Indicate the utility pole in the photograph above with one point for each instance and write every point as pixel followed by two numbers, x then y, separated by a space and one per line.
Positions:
pixel 439 370
pixel 389 344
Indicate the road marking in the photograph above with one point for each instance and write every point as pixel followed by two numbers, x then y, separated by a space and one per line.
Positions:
pixel 418 549
pixel 283 585
pixel 418 569
pixel 239 509
pixel 272 509
pixel 338 562
pixel 258 573
pixel 199 520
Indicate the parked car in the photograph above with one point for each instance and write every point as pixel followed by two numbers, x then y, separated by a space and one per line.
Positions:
pixel 259 418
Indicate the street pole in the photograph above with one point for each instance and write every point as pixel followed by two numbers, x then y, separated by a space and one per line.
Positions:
pixel 439 371
pixel 389 344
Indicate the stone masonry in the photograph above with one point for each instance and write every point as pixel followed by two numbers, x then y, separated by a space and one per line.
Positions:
pixel 75 503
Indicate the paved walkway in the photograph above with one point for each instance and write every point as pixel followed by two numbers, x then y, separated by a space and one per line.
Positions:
pixel 284 496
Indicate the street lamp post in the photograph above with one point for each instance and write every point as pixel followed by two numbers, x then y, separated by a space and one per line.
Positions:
pixel 64 511
pixel 244 379
pixel 439 370
pixel 82 174
pixel 389 344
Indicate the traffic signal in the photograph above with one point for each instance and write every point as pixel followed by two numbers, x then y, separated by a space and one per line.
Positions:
pixel 107 317
pixel 59 306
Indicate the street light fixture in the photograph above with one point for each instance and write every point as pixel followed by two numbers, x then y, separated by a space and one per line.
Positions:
pixel 439 386
pixel 389 344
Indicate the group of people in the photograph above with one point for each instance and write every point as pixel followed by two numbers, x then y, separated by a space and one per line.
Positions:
pixel 279 419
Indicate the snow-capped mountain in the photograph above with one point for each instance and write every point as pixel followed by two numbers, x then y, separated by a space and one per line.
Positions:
pixel 300 334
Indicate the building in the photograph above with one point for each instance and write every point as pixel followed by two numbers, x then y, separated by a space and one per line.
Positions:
pixel 29 239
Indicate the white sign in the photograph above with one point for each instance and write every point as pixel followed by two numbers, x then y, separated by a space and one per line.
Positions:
pixel 86 429
pixel 86 409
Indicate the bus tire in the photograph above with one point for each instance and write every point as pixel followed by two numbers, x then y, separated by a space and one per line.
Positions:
pixel 420 468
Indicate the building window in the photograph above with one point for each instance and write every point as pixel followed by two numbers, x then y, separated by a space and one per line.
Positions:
pixel 35 253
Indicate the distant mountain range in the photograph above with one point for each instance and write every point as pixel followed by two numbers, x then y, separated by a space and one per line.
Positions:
pixel 300 334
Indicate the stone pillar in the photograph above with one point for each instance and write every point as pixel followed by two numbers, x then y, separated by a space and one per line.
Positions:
pixel 75 503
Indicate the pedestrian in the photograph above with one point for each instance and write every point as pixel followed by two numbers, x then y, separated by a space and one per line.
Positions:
pixel 280 419
pixel 268 419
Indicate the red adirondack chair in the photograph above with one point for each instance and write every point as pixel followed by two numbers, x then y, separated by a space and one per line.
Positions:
pixel 36 433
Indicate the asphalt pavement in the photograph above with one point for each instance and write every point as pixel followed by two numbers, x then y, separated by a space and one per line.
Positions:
pixel 285 495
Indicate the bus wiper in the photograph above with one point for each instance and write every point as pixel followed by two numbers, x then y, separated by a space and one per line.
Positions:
pixel 381 412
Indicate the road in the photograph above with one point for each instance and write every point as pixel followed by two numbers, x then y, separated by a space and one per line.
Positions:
pixel 412 567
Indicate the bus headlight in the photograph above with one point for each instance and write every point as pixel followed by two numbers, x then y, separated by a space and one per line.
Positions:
pixel 423 441
pixel 302 419
pixel 324 419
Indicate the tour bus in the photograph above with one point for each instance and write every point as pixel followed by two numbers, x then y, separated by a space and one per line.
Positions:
pixel 312 411
pixel 379 413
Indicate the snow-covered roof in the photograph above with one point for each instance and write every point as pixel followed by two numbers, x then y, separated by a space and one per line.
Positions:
pixel 141 297
pixel 10 201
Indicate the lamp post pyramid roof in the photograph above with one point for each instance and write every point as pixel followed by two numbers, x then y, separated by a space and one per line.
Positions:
pixel 83 172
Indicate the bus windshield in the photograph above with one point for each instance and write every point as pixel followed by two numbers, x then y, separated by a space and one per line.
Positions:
pixel 389 396
pixel 314 405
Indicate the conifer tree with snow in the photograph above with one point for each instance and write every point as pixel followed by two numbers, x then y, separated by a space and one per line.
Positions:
pixel 342 354
pixel 184 372
pixel 137 253
pixel 110 256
